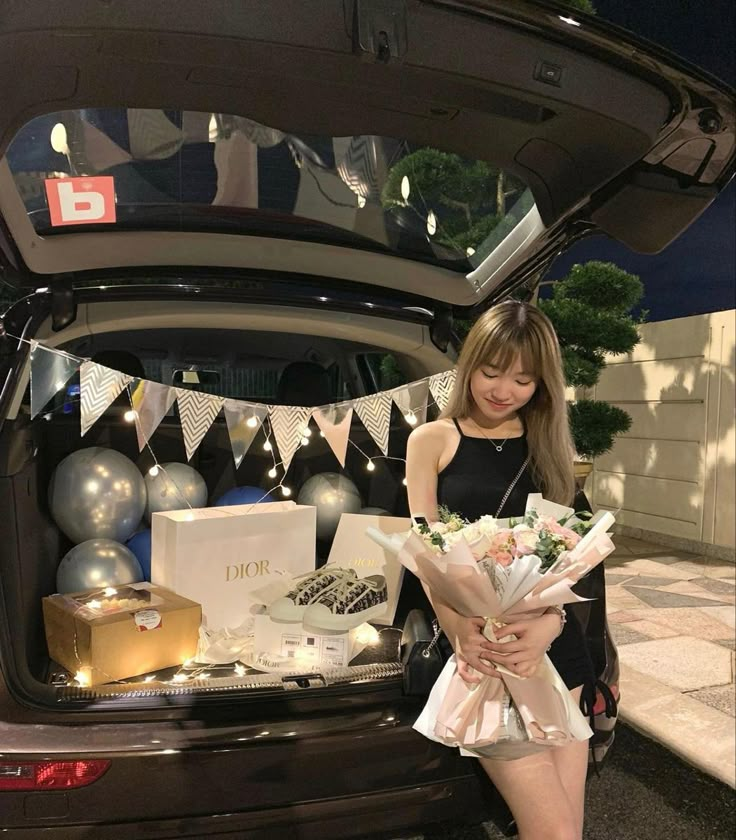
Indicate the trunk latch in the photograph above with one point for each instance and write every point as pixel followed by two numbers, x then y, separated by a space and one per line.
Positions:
pixel 297 681
pixel 379 28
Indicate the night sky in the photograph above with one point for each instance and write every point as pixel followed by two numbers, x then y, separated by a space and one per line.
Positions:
pixel 696 273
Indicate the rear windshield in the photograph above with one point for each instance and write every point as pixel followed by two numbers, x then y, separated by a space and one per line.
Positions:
pixel 195 171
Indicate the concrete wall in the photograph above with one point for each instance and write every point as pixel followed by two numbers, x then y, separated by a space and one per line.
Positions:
pixel 673 472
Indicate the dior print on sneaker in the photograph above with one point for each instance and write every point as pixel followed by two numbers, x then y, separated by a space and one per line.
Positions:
pixel 306 590
pixel 348 603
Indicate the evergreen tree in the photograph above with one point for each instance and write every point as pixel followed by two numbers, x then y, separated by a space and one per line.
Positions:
pixel 591 312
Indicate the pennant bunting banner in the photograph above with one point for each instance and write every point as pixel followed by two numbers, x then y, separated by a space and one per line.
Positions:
pixel 412 401
pixel 197 413
pixel 244 420
pixel 99 387
pixel 151 401
pixel 334 423
pixel 375 413
pixel 440 387
pixel 50 371
pixel 288 423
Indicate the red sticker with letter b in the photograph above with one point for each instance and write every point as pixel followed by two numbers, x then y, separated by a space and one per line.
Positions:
pixel 81 201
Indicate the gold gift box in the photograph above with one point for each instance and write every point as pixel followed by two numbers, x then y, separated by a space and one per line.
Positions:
pixel 113 634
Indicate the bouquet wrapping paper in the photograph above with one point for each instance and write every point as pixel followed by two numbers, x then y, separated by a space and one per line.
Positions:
pixel 476 718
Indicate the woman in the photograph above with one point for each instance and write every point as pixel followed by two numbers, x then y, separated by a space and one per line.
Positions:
pixel 508 405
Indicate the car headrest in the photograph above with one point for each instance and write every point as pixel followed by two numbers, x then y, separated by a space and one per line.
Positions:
pixel 304 384
pixel 121 360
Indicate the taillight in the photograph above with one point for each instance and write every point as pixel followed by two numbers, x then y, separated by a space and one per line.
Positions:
pixel 50 775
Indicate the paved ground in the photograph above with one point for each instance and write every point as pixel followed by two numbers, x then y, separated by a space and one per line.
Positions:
pixel 672 616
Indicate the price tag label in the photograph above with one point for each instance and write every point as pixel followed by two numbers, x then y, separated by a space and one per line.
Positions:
pixel 147 619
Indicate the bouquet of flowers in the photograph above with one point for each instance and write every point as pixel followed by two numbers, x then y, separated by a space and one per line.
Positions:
pixel 504 570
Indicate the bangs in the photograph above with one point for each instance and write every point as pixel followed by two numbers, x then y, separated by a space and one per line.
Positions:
pixel 501 351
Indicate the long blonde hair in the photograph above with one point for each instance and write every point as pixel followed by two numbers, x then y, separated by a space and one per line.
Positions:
pixel 502 333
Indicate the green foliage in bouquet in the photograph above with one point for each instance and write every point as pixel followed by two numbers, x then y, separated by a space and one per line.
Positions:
pixel 591 312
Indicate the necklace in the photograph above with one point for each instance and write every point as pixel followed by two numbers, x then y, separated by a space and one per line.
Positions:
pixel 498 447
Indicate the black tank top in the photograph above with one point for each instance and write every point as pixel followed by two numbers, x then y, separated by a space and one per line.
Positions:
pixel 478 476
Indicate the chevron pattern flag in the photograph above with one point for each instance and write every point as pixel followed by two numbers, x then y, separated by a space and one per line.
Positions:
pixel 197 413
pixel 413 399
pixel 334 423
pixel 151 401
pixel 375 413
pixel 288 423
pixel 50 371
pixel 441 385
pixel 99 387
pixel 359 166
pixel 244 421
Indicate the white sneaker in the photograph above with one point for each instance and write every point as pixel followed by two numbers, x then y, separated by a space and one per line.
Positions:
pixel 348 603
pixel 306 590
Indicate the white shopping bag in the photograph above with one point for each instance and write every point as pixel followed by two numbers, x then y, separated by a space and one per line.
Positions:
pixel 353 549
pixel 218 556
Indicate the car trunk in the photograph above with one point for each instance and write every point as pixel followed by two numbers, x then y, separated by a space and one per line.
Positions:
pixel 31 449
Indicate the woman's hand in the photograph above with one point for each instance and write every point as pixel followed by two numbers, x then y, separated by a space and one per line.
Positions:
pixel 472 649
pixel 533 638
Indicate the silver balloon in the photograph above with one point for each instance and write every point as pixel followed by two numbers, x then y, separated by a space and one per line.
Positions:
pixel 374 511
pixel 175 487
pixel 97 492
pixel 332 494
pixel 97 563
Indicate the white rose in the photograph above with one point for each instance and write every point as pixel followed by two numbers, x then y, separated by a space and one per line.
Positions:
pixel 526 539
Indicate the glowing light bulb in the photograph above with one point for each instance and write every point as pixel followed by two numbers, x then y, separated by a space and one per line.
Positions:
pixel 307 432
pixel 411 418
pixel 154 471
pixel 470 251
pixel 285 491
pixel 405 188
pixel 404 481
pixel 321 433
pixel 252 422
pixel 272 472
pixel 267 446
pixel 370 466
pixel 82 678
pixel 304 441
pixel 367 635
pixel 130 416
pixel 431 223
pixel 58 139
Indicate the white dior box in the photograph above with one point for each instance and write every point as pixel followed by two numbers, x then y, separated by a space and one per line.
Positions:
pixel 288 646
pixel 353 549
pixel 218 556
